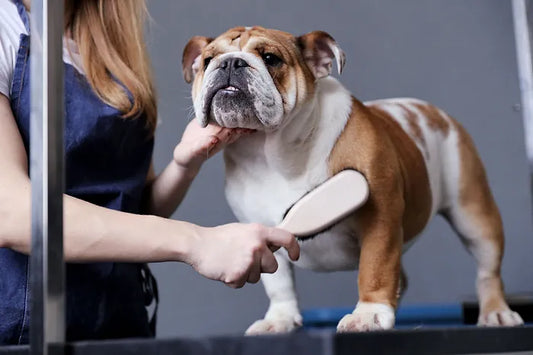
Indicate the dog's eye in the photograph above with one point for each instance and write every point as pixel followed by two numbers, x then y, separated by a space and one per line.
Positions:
pixel 207 61
pixel 271 59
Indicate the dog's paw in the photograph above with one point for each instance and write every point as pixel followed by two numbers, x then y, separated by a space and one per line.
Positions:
pixel 504 318
pixel 272 326
pixel 367 317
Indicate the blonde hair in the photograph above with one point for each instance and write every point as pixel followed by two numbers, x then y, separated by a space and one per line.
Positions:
pixel 110 38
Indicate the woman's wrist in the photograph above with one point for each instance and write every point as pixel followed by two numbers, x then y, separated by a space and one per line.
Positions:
pixel 188 171
pixel 186 162
pixel 181 239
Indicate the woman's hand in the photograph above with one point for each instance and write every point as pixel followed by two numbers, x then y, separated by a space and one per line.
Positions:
pixel 238 253
pixel 166 191
pixel 198 144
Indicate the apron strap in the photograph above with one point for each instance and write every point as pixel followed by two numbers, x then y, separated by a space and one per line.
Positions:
pixel 23 14
pixel 151 294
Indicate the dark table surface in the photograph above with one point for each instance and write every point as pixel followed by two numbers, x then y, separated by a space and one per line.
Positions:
pixel 459 340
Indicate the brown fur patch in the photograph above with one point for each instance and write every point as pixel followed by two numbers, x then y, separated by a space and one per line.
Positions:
pixel 434 118
pixel 245 37
pixel 413 171
pixel 413 120
pixel 415 129
pixel 414 125
pixel 400 197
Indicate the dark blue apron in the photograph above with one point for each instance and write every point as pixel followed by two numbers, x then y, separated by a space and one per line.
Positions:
pixel 106 161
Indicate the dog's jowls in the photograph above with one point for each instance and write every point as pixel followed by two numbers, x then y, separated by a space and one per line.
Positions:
pixel 417 159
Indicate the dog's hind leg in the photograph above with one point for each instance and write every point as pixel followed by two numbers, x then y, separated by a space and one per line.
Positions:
pixel 472 212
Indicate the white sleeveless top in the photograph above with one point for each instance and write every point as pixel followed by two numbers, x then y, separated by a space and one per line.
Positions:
pixel 11 27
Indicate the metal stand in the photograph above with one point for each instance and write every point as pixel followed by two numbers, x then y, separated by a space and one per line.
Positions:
pixel 47 327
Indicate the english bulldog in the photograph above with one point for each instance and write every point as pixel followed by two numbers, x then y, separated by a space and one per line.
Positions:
pixel 418 162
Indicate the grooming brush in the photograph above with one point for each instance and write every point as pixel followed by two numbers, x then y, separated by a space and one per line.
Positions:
pixel 327 204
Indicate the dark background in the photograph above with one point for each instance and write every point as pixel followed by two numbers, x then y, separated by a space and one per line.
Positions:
pixel 457 54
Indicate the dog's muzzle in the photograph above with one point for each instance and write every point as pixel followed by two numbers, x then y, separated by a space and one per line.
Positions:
pixel 229 86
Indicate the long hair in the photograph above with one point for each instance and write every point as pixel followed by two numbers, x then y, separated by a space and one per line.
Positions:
pixel 110 38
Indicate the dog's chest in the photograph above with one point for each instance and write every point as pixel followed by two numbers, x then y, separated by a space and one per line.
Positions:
pixel 265 178
pixel 265 197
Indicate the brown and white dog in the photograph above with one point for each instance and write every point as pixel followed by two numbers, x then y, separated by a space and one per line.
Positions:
pixel 417 159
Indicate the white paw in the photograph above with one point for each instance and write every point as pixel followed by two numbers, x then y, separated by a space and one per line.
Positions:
pixel 367 317
pixel 500 319
pixel 271 326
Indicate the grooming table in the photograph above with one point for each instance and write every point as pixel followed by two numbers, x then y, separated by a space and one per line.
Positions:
pixel 411 316
pixel 420 329
pixel 465 340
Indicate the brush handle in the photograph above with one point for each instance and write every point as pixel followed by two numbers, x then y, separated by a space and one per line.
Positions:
pixel 326 204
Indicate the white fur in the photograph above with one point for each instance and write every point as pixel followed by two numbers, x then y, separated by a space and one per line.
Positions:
pixel 498 318
pixel 368 316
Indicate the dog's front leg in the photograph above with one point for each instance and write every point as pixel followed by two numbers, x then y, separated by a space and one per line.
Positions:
pixel 379 274
pixel 283 314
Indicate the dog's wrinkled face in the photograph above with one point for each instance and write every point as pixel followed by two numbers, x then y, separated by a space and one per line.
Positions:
pixel 255 77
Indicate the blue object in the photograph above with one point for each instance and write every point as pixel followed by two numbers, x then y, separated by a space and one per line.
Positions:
pixel 406 315
pixel 107 159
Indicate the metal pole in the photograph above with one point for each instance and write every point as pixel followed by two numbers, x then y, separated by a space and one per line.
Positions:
pixel 47 327
pixel 522 20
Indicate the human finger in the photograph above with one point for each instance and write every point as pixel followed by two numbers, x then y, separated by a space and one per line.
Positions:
pixel 282 238
pixel 255 270
pixel 269 264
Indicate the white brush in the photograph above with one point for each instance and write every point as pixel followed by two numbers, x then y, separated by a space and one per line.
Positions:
pixel 328 203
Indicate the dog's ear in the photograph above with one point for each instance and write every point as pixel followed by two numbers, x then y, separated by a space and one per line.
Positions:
pixel 191 56
pixel 318 49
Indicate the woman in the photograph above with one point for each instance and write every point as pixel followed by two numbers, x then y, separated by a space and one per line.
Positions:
pixel 115 206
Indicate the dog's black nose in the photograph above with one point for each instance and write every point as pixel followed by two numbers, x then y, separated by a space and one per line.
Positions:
pixel 233 63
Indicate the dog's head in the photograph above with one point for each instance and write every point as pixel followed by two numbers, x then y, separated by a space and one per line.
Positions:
pixel 255 77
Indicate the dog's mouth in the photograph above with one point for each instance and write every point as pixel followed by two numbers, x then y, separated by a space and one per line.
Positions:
pixel 222 92
pixel 230 105
pixel 230 90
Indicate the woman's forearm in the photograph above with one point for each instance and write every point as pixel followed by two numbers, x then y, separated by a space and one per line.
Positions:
pixel 96 234
pixel 165 192
pixel 232 253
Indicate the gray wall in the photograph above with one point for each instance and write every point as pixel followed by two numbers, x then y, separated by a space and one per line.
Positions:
pixel 457 54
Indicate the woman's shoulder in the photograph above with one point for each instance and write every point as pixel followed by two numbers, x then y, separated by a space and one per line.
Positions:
pixel 11 27
pixel 10 21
